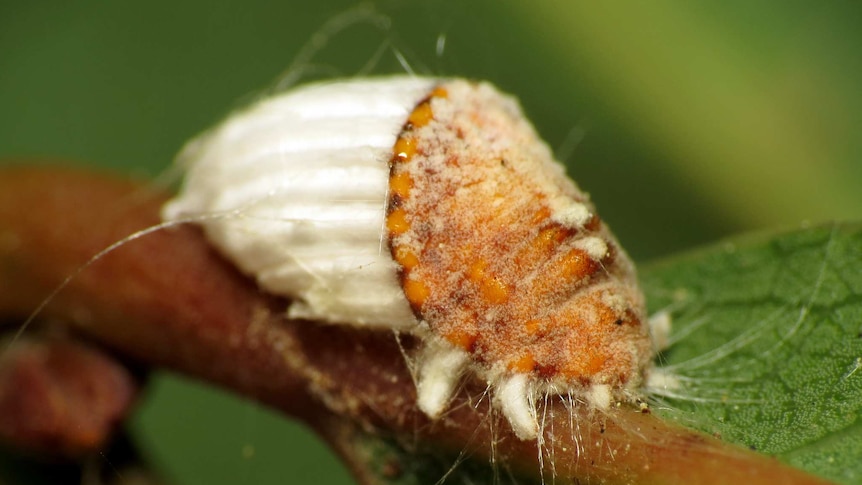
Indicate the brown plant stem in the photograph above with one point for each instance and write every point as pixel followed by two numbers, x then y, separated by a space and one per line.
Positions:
pixel 167 300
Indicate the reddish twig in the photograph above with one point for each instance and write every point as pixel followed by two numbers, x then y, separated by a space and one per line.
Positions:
pixel 167 300
pixel 61 397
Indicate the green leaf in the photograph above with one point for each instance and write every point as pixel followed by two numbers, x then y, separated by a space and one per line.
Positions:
pixel 766 346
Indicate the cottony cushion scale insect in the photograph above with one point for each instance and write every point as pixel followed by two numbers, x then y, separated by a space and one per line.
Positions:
pixel 431 207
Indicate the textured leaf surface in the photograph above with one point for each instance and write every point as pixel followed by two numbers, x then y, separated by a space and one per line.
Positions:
pixel 767 345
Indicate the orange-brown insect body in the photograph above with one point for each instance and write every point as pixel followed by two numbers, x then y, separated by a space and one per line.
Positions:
pixel 501 255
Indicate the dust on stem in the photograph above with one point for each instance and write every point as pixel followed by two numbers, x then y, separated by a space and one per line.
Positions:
pixel 168 300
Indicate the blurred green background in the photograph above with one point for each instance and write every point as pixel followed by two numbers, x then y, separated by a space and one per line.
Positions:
pixel 686 121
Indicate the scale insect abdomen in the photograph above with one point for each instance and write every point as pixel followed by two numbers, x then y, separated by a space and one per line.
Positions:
pixel 429 206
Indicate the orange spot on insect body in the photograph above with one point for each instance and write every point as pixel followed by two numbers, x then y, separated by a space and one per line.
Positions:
pixel 541 215
pixel 462 339
pixel 491 287
pixel 595 363
pixel 439 92
pixel 421 116
pixel 532 326
pixel 476 272
pixel 416 292
pixel 396 222
pixel 525 363
pixel 494 290
pixel 400 184
pixel 537 249
pixel 406 258
pixel 549 238
pixel 576 264
pixel 405 149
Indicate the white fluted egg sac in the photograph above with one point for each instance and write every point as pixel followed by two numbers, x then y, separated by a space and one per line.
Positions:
pixel 299 181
